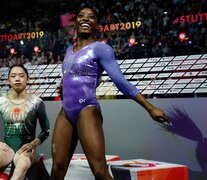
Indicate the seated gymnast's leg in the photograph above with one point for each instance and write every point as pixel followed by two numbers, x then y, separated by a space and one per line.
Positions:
pixel 64 141
pixel 91 136
pixel 6 155
pixel 22 163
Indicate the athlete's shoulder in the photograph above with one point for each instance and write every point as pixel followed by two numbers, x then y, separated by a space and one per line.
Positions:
pixel 69 48
pixel 3 97
pixel 101 44
pixel 35 99
pixel 103 47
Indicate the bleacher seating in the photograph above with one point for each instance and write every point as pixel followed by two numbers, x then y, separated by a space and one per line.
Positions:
pixel 159 77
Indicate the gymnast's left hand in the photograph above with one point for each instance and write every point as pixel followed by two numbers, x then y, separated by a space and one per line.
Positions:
pixel 28 147
pixel 159 115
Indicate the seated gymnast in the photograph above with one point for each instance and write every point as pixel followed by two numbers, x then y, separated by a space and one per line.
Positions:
pixel 19 112
pixel 80 117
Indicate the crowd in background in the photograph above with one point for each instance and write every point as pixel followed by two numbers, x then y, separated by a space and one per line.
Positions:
pixel 157 36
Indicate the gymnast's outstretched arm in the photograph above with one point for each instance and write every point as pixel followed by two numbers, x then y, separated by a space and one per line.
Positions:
pixel 109 63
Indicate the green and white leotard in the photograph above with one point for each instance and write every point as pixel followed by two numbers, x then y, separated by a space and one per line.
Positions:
pixel 20 120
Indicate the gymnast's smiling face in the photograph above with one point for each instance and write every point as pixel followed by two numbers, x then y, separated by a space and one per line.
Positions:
pixel 86 22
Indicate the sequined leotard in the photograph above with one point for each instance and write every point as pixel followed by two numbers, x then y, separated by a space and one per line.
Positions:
pixel 20 120
pixel 81 73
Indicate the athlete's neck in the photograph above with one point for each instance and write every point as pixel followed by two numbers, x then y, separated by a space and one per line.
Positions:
pixel 13 95
pixel 82 43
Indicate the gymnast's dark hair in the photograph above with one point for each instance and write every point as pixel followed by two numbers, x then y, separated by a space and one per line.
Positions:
pixel 21 66
pixel 93 9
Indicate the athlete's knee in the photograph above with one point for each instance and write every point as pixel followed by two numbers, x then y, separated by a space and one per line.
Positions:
pixel 59 169
pixel 6 157
pixel 99 170
pixel 57 173
pixel 23 164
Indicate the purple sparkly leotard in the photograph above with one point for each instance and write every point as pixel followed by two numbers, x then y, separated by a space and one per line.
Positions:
pixel 81 73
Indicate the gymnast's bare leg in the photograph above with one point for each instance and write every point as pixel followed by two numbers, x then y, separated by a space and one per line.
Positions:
pixel 22 162
pixel 64 141
pixel 91 136
pixel 6 155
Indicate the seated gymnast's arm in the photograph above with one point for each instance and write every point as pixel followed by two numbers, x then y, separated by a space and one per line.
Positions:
pixel 44 124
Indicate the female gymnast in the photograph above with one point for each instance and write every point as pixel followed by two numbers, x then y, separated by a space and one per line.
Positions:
pixel 19 112
pixel 80 117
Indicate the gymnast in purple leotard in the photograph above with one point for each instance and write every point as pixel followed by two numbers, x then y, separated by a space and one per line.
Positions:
pixel 80 117
pixel 81 73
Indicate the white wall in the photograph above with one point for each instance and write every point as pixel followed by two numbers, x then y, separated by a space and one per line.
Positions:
pixel 131 133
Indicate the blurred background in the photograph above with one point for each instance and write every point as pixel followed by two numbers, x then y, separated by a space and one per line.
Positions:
pixel 39 31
